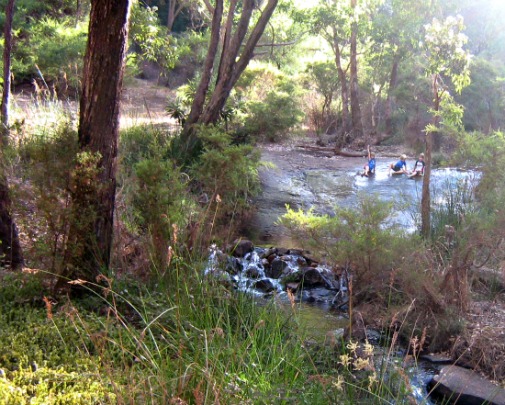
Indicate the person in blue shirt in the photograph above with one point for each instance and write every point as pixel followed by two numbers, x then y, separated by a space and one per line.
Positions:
pixel 418 169
pixel 399 167
pixel 369 168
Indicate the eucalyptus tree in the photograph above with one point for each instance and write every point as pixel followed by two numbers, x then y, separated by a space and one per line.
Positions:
pixel 447 64
pixel 395 34
pixel 233 39
pixel 10 248
pixel 94 188
pixel 331 20
pixel 345 26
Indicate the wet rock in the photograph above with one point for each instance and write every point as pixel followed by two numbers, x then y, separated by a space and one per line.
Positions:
pixel 276 268
pixel 296 252
pixel 241 247
pixel 465 387
pixel 269 252
pixel 312 278
pixel 271 257
pixel 319 295
pixel 292 286
pixel 233 265
pixel 282 251
pixel 310 261
pixel 253 272
pixel 264 285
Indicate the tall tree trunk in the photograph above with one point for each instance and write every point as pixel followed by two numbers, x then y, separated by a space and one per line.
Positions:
pixel 393 79
pixel 98 134
pixel 174 9
pixel 9 14
pixel 357 124
pixel 170 15
pixel 233 60
pixel 10 248
pixel 203 86
pixel 233 68
pixel 342 77
pixel 426 197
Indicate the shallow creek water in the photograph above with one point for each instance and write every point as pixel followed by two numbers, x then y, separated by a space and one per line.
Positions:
pixel 337 183
pixel 302 181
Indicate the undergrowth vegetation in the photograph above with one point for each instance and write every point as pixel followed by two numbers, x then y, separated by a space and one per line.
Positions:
pixel 191 341
pixel 156 329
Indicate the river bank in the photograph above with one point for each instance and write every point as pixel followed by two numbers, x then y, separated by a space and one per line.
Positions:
pixel 304 178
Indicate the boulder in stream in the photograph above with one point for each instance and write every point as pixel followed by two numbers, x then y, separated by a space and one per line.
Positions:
pixel 276 268
pixel 461 386
pixel 241 247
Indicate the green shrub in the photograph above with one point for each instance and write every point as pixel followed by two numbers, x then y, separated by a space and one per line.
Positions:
pixel 47 161
pixel 138 143
pixel 363 238
pixel 270 114
pixel 56 47
pixel 161 206
pixel 227 174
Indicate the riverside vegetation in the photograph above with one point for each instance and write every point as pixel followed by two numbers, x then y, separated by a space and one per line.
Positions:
pixel 154 329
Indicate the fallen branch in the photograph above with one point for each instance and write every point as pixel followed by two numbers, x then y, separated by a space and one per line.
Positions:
pixel 334 151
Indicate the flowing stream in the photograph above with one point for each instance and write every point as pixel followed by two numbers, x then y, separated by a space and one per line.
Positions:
pixel 305 185
pixel 302 181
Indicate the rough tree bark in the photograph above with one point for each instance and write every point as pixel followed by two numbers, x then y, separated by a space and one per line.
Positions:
pixel 235 64
pixel 233 60
pixel 10 248
pixel 357 124
pixel 342 77
pixel 203 86
pixel 9 14
pixel 174 9
pixel 425 197
pixel 393 79
pixel 98 134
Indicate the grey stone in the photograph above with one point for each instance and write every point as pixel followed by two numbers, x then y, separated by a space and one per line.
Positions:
pixel 312 277
pixel 241 247
pixel 264 285
pixel 465 387
pixel 276 269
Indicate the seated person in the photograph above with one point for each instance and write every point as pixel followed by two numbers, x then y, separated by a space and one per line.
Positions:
pixel 418 169
pixel 399 167
pixel 369 168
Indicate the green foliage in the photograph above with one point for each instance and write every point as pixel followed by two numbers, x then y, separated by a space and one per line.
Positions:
pixel 273 103
pixel 138 143
pixel 47 159
pixel 364 238
pixel 484 98
pixel 160 204
pixel 45 356
pixel 444 43
pixel 227 173
pixel 56 47
pixel 150 40
pixel 156 197
pixel 456 209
